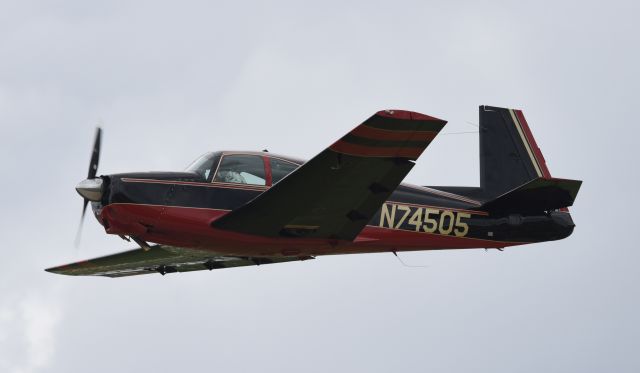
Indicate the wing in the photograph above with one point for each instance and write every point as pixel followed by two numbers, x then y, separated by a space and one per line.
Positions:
pixel 336 193
pixel 160 259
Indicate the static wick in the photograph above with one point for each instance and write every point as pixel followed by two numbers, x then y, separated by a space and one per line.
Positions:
pixel 407 265
pixel 463 132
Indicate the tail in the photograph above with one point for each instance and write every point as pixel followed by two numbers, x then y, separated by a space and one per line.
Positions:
pixel 513 172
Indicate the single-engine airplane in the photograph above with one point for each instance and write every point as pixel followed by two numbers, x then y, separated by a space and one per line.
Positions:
pixel 239 208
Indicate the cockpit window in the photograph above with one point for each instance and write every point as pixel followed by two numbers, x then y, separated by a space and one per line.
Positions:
pixel 241 169
pixel 202 166
pixel 280 169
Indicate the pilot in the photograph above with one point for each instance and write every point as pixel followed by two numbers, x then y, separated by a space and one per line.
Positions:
pixel 233 176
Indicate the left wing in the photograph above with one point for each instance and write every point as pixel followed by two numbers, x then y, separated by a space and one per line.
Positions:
pixel 161 259
pixel 336 193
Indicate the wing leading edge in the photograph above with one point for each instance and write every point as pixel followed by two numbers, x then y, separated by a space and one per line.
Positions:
pixel 336 193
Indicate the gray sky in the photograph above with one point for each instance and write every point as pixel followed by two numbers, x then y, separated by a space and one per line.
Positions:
pixel 172 81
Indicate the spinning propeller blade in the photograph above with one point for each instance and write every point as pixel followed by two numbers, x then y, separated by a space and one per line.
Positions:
pixel 93 170
pixel 95 155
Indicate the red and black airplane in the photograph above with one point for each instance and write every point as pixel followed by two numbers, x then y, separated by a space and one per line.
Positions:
pixel 237 208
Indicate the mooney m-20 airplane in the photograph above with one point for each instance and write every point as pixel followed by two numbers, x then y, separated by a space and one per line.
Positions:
pixel 237 208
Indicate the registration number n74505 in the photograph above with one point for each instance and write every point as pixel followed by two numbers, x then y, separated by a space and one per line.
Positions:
pixel 424 219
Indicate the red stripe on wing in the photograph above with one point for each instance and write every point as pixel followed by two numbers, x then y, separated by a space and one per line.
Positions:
pixel 404 114
pixel 373 151
pixel 380 134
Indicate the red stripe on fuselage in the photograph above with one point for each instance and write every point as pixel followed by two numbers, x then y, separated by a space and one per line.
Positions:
pixel 408 240
pixel 190 227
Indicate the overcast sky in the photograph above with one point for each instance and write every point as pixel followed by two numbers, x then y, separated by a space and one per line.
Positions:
pixel 172 81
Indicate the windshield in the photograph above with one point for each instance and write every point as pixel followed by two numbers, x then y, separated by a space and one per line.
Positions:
pixel 202 166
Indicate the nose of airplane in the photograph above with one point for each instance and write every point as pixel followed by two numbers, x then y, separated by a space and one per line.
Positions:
pixel 91 189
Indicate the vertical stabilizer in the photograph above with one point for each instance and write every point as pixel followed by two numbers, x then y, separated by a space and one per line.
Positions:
pixel 509 155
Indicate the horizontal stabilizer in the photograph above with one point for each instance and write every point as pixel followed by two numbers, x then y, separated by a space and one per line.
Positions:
pixel 541 194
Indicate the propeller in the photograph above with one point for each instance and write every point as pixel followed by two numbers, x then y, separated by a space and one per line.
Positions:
pixel 91 188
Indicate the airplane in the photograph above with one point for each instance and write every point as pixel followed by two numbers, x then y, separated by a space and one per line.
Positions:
pixel 241 208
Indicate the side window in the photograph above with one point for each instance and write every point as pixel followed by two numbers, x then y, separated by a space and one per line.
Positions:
pixel 280 169
pixel 241 169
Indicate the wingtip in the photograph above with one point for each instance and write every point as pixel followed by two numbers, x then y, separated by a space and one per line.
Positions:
pixel 52 270
pixel 57 270
pixel 407 115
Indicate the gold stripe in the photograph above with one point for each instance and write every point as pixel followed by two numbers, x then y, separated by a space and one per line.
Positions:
pixel 474 212
pixel 441 193
pixel 152 205
pixel 526 142
pixel 214 184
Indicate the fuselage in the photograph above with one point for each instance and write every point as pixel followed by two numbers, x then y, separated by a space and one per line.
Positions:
pixel 177 208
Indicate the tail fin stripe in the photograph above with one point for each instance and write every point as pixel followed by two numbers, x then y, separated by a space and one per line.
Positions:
pixel 534 146
pixel 525 141
pixel 509 154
